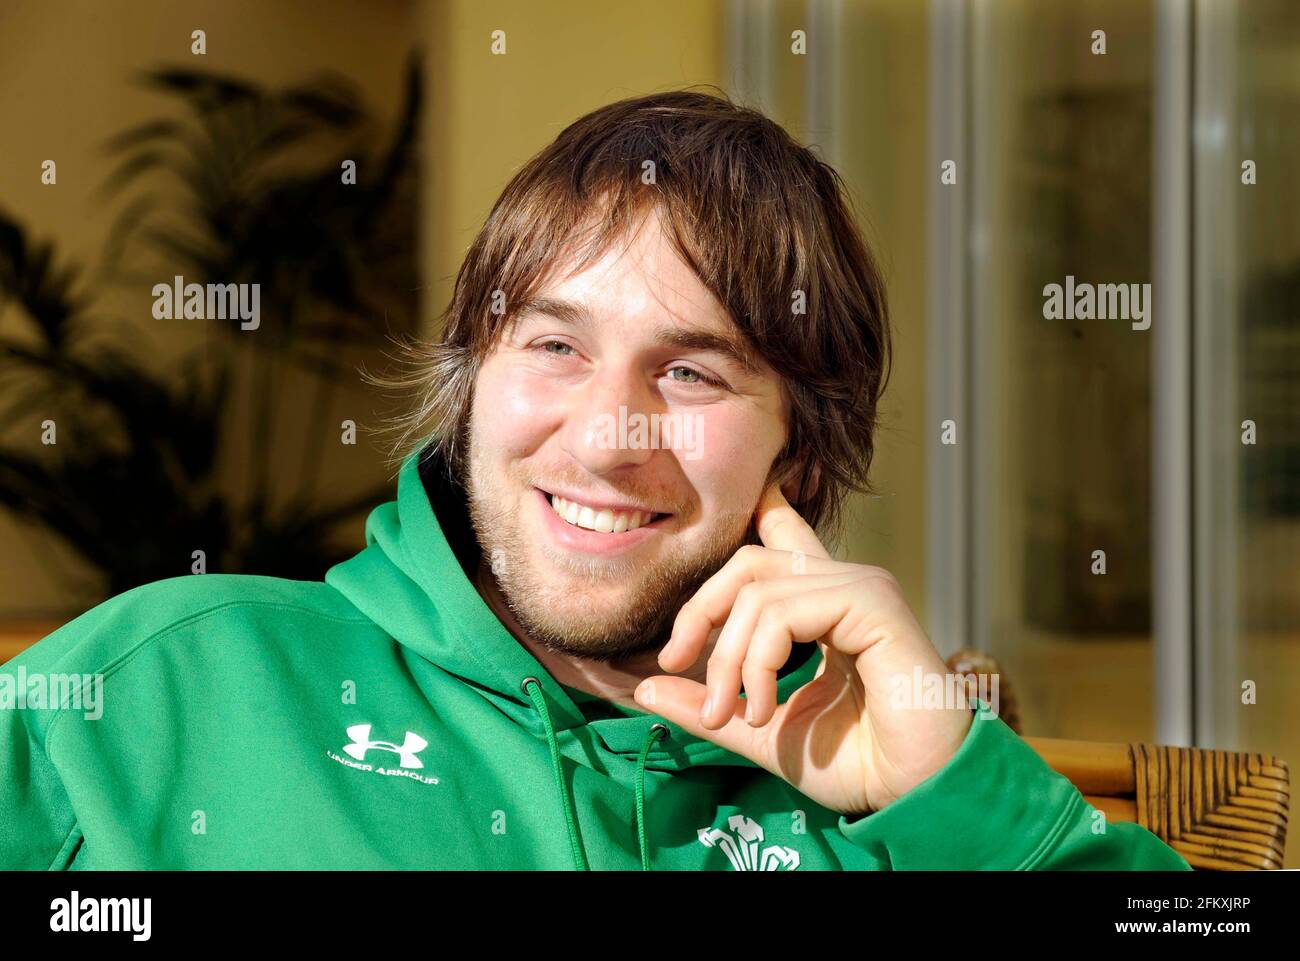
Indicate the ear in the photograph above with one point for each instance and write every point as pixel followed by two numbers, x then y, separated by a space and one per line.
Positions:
pixel 790 483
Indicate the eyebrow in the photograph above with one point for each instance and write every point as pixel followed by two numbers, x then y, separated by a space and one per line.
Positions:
pixel 578 315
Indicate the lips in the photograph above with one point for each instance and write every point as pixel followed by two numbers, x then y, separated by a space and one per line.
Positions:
pixel 590 541
pixel 603 520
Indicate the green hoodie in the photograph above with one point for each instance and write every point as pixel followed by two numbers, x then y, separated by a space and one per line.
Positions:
pixel 386 719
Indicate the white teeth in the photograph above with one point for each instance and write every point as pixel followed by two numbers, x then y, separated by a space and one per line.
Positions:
pixel 604 521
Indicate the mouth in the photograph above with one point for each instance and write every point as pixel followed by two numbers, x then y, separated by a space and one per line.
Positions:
pixel 603 518
pixel 594 528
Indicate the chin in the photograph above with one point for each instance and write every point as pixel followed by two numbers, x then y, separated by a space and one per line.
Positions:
pixel 597 636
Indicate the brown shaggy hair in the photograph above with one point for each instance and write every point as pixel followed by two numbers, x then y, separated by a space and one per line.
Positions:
pixel 757 216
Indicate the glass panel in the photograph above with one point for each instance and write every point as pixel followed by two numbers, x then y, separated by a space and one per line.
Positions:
pixel 1062 196
pixel 1264 560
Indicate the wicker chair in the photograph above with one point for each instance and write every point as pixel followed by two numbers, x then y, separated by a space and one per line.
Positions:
pixel 1221 810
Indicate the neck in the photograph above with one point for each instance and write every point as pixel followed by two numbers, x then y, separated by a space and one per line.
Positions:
pixel 610 682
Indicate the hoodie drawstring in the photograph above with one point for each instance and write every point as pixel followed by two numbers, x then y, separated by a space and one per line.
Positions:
pixel 566 802
pixel 533 688
pixel 656 732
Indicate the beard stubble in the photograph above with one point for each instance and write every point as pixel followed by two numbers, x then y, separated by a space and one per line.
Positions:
pixel 556 615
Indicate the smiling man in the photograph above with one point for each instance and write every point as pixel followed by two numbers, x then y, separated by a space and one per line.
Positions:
pixel 566 645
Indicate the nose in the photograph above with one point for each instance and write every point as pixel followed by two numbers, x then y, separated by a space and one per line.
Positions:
pixel 608 426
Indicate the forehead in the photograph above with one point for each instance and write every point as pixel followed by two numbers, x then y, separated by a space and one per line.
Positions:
pixel 640 275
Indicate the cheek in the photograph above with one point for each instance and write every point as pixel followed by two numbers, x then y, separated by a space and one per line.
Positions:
pixel 516 412
pixel 736 451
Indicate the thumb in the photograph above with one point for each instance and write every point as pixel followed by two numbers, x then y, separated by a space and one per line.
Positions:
pixel 679 700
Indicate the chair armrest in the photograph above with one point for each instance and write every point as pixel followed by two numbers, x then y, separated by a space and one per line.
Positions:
pixel 1221 810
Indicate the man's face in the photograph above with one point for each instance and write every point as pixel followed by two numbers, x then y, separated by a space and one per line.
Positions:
pixel 599 518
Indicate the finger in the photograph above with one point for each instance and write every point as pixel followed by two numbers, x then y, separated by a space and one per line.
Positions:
pixel 780 526
pixel 758 674
pixel 678 699
pixel 708 609
pixel 736 660
pixel 805 616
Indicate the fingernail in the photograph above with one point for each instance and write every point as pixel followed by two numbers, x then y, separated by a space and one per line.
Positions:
pixel 749 712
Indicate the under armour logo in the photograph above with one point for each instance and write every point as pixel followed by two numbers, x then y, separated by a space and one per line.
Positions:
pixel 361 743
pixel 743 849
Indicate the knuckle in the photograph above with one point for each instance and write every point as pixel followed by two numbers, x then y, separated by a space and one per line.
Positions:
pixel 883 576
pixel 772 618
pixel 773 524
pixel 751 593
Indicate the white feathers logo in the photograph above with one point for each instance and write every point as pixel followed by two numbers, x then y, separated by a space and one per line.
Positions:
pixel 742 846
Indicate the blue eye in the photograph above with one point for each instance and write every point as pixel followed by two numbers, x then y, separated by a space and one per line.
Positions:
pixel 554 343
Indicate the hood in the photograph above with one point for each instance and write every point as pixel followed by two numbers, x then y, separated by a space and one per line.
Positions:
pixel 409 581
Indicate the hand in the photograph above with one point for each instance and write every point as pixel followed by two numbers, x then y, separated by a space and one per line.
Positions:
pixel 840 739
